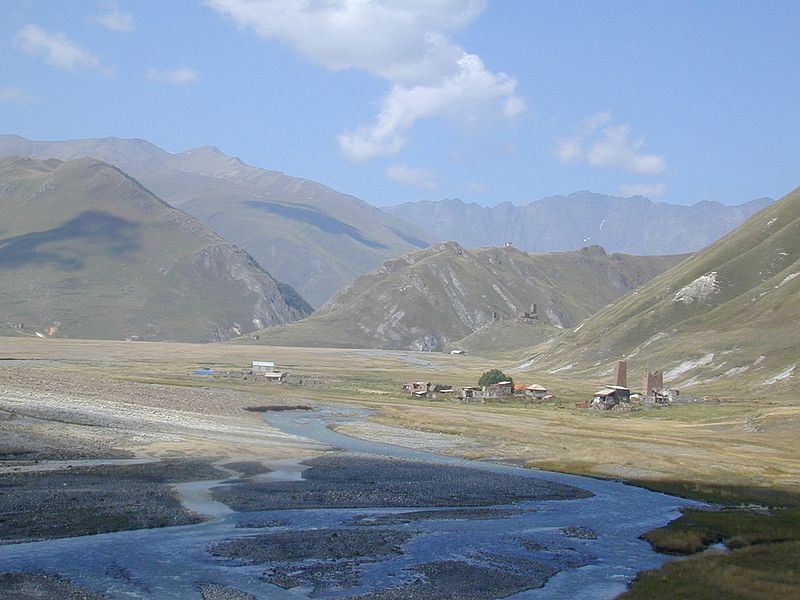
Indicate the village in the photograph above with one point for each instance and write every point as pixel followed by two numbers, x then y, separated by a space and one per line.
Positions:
pixel 616 396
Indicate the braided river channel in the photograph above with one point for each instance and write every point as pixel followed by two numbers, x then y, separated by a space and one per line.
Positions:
pixel 374 521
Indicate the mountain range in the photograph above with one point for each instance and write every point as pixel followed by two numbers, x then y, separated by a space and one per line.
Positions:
pixel 633 225
pixel 304 233
pixel 86 251
pixel 728 312
pixel 432 299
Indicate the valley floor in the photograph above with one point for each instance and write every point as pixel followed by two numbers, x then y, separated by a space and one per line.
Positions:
pixel 109 436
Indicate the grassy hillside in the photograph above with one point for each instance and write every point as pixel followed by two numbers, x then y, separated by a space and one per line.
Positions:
pixel 431 299
pixel 306 234
pixel 727 316
pixel 86 251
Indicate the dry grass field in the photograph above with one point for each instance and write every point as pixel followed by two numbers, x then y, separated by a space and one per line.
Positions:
pixel 726 440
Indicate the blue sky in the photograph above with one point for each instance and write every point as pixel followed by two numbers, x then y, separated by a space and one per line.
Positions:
pixel 392 101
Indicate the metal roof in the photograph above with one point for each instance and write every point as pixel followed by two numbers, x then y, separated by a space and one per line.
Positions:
pixel 605 392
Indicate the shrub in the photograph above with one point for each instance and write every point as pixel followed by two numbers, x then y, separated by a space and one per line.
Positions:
pixel 493 376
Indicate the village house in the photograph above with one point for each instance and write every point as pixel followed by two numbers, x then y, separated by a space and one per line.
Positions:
pixel 261 366
pixel 468 392
pixel 426 389
pixel 536 391
pixel 416 386
pixel 265 371
pixel 500 389
pixel 609 397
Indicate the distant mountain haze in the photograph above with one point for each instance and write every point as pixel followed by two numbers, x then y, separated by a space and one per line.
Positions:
pixel 304 233
pixel 86 251
pixel 632 225
pixel 433 298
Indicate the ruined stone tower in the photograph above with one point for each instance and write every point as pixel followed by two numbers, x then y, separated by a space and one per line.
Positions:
pixel 621 374
pixel 652 382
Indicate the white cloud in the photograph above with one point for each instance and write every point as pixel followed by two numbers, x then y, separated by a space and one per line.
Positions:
pixel 179 76
pixel 406 42
pixel 410 176
pixel 113 18
pixel 611 147
pixel 56 48
pixel 14 95
pixel 477 187
pixel 571 149
pixel 460 96
pixel 649 190
pixel 616 149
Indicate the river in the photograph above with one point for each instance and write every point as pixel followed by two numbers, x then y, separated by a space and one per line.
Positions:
pixel 592 542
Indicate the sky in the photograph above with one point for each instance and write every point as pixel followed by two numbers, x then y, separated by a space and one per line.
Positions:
pixel 404 100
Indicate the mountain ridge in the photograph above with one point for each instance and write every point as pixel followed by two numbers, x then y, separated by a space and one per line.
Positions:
pixel 634 225
pixel 86 251
pixel 431 299
pixel 305 233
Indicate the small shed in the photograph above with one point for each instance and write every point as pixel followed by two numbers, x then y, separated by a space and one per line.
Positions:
pixel 536 391
pixel 274 376
pixel 261 367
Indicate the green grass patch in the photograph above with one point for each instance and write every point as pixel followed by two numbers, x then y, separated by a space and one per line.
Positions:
pixel 737 528
pixel 764 562
pixel 763 572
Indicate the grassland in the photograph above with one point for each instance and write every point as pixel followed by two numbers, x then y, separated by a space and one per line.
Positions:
pixel 724 440
pixel 724 448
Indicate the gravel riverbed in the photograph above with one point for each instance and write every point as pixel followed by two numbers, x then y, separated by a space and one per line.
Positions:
pixel 351 480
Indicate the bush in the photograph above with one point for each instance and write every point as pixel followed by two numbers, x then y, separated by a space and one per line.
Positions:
pixel 493 376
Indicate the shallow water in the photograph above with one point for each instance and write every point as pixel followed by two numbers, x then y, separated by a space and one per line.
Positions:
pixel 169 562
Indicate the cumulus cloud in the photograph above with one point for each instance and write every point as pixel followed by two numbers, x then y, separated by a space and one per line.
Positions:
pixel 406 42
pixel 460 95
pixel 649 190
pixel 601 144
pixel 420 178
pixel 14 95
pixel 113 18
pixel 56 49
pixel 179 76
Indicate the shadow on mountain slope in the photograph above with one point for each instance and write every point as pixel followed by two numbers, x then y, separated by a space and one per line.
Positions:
pixel 313 217
pixel 111 234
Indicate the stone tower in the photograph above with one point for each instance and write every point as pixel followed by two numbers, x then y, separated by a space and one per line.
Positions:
pixel 621 374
